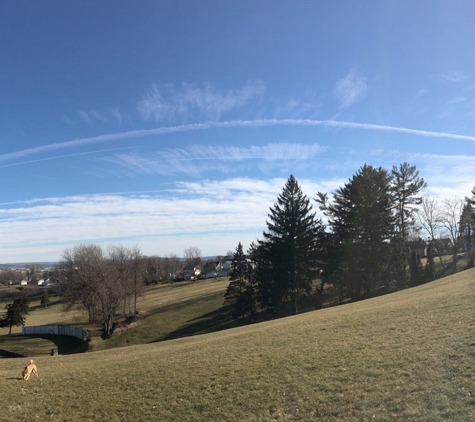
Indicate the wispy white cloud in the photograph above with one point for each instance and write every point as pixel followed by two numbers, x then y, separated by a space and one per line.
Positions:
pixel 91 116
pixel 456 100
pixel 421 93
pixel 229 124
pixel 117 115
pixel 59 157
pixel 59 222
pixel 447 175
pixel 350 89
pixel 307 106
pixel 97 116
pixel 196 159
pixel 213 215
pixel 455 76
pixel 103 116
pixel 67 120
pixel 84 116
pixel 456 106
pixel 166 103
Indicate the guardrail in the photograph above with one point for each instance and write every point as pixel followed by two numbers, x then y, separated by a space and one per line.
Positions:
pixel 55 330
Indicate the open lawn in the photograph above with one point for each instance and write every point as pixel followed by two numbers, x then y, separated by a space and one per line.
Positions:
pixel 404 356
pixel 38 315
pixel 167 311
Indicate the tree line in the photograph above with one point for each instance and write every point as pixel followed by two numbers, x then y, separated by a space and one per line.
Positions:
pixel 106 283
pixel 363 250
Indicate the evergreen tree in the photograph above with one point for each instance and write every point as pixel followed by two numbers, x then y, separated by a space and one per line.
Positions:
pixel 415 266
pixel 399 263
pixel 362 222
pixel 467 226
pixel 467 223
pixel 45 300
pixel 16 313
pixel 429 270
pixel 287 254
pixel 262 276
pixel 240 291
pixel 406 186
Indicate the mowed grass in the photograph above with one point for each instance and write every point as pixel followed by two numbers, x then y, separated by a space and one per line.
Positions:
pixel 400 357
pixel 38 315
pixel 172 311
pixel 166 311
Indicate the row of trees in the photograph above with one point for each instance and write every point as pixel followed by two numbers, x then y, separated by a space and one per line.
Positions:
pixel 107 282
pixel 363 250
pixel 453 218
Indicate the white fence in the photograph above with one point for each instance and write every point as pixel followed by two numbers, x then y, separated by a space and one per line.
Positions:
pixel 55 330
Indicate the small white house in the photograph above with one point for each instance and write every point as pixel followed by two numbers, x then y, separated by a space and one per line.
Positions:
pixel 224 267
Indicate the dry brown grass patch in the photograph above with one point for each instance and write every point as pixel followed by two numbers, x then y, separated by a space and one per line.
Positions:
pixel 404 356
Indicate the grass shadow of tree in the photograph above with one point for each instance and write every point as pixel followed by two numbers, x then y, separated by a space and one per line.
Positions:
pixel 217 320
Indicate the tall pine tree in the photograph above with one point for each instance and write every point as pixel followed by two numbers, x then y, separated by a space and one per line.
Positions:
pixel 287 254
pixel 362 223
pixel 405 187
pixel 240 293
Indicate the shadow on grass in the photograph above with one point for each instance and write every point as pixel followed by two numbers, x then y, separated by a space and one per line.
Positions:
pixel 43 307
pixel 18 345
pixel 66 345
pixel 184 304
pixel 219 319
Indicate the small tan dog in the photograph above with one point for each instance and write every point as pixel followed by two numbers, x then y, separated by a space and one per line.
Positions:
pixel 29 369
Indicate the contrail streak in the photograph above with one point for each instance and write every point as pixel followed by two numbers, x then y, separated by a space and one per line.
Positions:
pixel 57 157
pixel 233 123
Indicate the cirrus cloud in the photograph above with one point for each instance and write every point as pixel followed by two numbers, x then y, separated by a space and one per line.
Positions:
pixel 350 89
pixel 167 103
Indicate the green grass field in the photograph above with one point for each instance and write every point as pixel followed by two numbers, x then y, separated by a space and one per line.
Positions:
pixel 404 356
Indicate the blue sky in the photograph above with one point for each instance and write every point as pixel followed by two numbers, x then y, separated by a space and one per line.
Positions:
pixel 170 124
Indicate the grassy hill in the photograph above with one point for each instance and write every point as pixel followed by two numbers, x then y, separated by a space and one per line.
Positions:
pixel 404 356
pixel 167 311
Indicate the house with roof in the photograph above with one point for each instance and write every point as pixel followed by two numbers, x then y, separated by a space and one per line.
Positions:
pixel 419 246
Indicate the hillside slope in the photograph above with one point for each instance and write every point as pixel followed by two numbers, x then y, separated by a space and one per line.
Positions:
pixel 405 356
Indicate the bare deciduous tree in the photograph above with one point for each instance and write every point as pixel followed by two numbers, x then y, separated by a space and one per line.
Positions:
pixel 193 258
pixel 125 265
pixel 153 269
pixel 100 282
pixel 137 269
pixel 171 266
pixel 428 216
pixel 449 218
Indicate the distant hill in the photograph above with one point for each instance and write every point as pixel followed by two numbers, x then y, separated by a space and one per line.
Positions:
pixel 26 264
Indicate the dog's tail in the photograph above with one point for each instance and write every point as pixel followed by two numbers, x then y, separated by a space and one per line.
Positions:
pixel 31 361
